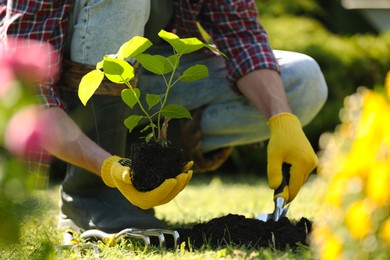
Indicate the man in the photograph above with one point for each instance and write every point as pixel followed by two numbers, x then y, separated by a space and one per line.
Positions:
pixel 254 94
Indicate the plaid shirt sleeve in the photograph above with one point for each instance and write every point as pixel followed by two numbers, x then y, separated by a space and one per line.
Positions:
pixel 42 20
pixel 234 28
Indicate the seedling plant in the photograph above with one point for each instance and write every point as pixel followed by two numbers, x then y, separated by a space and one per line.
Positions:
pixel 118 70
pixel 154 160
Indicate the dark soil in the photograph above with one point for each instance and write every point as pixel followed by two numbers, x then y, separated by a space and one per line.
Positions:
pixel 152 164
pixel 252 233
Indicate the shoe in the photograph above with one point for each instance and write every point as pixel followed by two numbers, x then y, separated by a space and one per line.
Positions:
pixel 105 209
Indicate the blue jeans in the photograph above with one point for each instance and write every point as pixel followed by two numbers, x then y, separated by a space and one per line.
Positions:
pixel 228 118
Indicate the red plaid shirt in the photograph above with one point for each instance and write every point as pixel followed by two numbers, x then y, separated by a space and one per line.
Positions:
pixel 43 20
pixel 235 30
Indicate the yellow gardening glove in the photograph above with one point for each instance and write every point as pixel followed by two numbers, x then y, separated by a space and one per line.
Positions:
pixel 288 144
pixel 116 173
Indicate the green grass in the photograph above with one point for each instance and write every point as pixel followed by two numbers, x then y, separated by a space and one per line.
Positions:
pixel 206 197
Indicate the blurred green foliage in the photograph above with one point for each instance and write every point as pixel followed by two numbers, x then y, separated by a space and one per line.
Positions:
pixel 349 51
pixel 276 8
pixel 16 202
pixel 16 182
pixel 330 13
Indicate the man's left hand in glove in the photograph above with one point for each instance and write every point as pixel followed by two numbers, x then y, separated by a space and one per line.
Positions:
pixel 116 173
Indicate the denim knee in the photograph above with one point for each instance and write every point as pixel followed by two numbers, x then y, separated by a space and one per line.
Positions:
pixel 305 85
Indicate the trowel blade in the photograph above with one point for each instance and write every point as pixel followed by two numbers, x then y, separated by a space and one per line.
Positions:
pixel 274 216
pixel 265 217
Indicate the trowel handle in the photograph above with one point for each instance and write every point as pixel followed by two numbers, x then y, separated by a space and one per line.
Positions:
pixel 286 178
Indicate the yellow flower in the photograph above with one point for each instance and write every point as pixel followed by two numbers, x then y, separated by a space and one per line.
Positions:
pixel 378 183
pixel 336 191
pixel 385 232
pixel 332 249
pixel 356 162
pixel 367 139
pixel 358 218
pixel 372 130
pixel 330 245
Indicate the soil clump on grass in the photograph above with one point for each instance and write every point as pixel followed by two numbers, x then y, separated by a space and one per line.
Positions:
pixel 152 164
pixel 238 230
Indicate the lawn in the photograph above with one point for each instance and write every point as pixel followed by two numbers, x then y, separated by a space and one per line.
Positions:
pixel 206 197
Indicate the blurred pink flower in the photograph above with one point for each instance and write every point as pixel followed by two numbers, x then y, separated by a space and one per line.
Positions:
pixel 24 131
pixel 6 77
pixel 28 61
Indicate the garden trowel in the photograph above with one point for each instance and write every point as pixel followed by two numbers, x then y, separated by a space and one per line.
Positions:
pixel 280 202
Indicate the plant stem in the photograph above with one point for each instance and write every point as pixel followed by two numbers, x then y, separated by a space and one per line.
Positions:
pixel 164 132
pixel 169 86
pixel 142 108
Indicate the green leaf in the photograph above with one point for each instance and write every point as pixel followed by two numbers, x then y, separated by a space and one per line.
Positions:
pixel 186 45
pixel 172 61
pixel 190 45
pixel 145 128
pixel 182 46
pixel 156 64
pixel 132 48
pixel 168 36
pixel 99 65
pixel 175 111
pixel 118 71
pixel 149 137
pixel 132 121
pixel 130 96
pixel 152 100
pixel 194 72
pixel 88 85
pixel 213 49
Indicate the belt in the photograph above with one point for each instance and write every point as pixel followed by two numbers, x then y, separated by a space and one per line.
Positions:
pixel 73 72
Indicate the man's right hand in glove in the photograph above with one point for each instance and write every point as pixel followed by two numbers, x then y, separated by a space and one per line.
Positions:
pixel 288 144
pixel 116 173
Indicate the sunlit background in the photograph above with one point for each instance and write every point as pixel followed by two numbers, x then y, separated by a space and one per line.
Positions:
pixel 352 132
